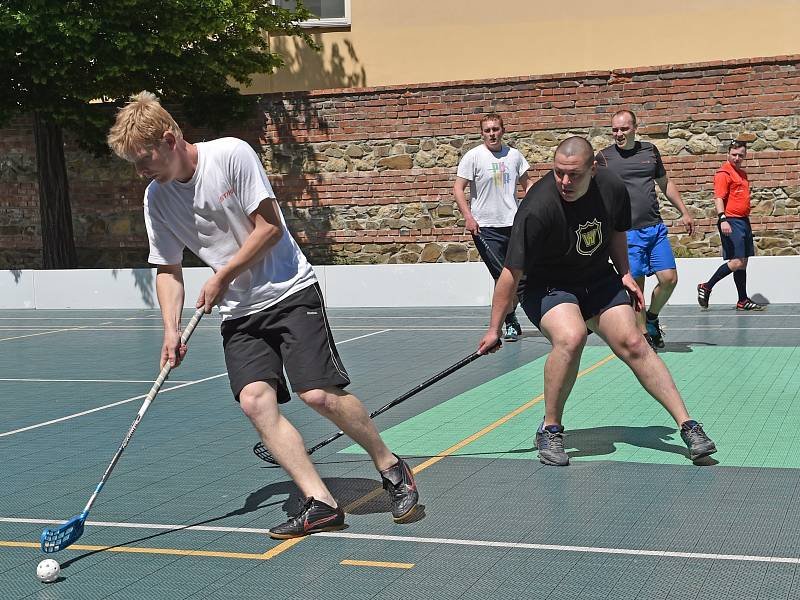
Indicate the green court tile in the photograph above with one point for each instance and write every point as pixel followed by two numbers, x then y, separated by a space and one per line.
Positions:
pixel 747 398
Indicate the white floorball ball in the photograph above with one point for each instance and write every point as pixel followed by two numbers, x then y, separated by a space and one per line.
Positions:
pixel 48 570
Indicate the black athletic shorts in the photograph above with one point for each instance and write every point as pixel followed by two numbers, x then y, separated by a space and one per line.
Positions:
pixel 592 300
pixel 293 334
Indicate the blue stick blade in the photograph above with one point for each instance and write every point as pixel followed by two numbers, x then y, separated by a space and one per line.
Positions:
pixel 58 538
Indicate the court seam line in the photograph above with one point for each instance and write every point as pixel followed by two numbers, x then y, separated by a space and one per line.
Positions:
pixel 118 403
pixel 388 538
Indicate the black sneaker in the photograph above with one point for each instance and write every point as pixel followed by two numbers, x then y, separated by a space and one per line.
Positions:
pixel 404 494
pixel 748 304
pixel 550 442
pixel 696 440
pixel 655 332
pixel 314 516
pixel 649 339
pixel 703 295
pixel 513 329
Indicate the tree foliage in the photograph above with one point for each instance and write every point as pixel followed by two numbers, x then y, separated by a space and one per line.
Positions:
pixel 67 62
pixel 58 56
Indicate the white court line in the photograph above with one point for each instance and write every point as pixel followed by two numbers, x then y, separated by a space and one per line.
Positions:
pixel 704 314
pixel 89 380
pixel 18 337
pixel 442 541
pixel 113 404
pixel 106 406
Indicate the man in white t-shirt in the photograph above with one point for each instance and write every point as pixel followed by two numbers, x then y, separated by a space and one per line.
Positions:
pixel 492 171
pixel 214 198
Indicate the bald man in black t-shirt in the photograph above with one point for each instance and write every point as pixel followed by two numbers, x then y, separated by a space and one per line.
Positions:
pixel 568 227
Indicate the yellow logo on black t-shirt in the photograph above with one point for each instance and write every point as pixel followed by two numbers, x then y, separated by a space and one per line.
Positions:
pixel 590 237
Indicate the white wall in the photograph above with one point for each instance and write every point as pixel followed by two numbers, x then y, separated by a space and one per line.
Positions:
pixel 771 278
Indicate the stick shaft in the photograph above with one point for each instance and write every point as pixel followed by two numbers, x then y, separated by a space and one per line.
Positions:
pixel 162 377
pixel 425 384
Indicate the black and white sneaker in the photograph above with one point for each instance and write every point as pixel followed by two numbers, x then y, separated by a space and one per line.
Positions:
pixel 655 332
pixel 748 304
pixel 703 295
pixel 513 329
pixel 314 516
pixel 399 482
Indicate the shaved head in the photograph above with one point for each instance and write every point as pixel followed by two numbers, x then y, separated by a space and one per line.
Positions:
pixel 576 146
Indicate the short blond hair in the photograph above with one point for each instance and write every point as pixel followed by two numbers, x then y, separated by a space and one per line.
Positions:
pixel 140 125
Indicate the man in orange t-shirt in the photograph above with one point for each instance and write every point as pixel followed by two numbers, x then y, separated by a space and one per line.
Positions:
pixel 732 199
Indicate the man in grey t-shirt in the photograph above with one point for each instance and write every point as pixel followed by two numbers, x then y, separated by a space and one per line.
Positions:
pixel 639 165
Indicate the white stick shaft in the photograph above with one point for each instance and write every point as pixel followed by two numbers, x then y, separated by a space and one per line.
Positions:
pixel 162 377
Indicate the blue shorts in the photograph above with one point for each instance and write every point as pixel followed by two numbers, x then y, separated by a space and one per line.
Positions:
pixel 739 244
pixel 649 251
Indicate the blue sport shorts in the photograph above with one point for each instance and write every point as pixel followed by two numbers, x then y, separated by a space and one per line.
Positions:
pixel 649 251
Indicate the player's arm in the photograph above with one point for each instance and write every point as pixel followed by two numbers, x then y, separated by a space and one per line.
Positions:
pixel 502 301
pixel 721 190
pixel 674 196
pixel 459 191
pixel 267 232
pixel 618 253
pixel 170 293
pixel 526 183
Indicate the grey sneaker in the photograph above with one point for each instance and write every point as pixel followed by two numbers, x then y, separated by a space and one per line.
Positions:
pixel 550 442
pixel 696 440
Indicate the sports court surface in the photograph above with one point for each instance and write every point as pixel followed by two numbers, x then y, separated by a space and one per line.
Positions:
pixel 185 513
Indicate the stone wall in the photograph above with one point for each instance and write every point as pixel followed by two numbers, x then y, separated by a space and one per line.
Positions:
pixel 365 175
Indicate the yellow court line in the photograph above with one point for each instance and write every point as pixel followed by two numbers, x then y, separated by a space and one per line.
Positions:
pixel 466 441
pixel 173 551
pixel 375 563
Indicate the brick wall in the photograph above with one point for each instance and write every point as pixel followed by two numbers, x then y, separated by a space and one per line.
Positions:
pixel 365 175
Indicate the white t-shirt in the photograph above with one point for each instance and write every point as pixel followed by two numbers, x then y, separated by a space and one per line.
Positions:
pixel 493 178
pixel 209 214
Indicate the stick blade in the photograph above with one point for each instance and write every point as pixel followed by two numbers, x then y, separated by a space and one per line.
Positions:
pixel 58 538
pixel 261 452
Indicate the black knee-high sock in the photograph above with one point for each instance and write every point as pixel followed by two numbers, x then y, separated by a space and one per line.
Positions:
pixel 740 279
pixel 723 271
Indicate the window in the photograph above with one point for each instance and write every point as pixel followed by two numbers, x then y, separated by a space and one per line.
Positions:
pixel 330 13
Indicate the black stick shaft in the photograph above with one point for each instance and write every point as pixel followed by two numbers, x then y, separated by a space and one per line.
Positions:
pixel 425 384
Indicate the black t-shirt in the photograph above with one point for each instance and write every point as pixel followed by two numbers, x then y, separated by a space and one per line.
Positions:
pixel 557 243
pixel 638 167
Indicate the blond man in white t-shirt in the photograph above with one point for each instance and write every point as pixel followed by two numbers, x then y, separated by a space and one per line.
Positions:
pixel 214 198
pixel 492 172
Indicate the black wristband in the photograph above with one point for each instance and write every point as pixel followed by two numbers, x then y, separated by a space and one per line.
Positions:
pixel 721 217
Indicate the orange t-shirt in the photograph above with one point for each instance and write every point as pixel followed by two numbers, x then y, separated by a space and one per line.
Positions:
pixel 734 189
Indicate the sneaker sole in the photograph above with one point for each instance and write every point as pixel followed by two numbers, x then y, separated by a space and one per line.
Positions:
pixel 551 463
pixel 403 518
pixel 703 455
pixel 291 536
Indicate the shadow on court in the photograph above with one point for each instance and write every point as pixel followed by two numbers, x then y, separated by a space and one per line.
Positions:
pixel 345 490
pixel 681 346
pixel 601 441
